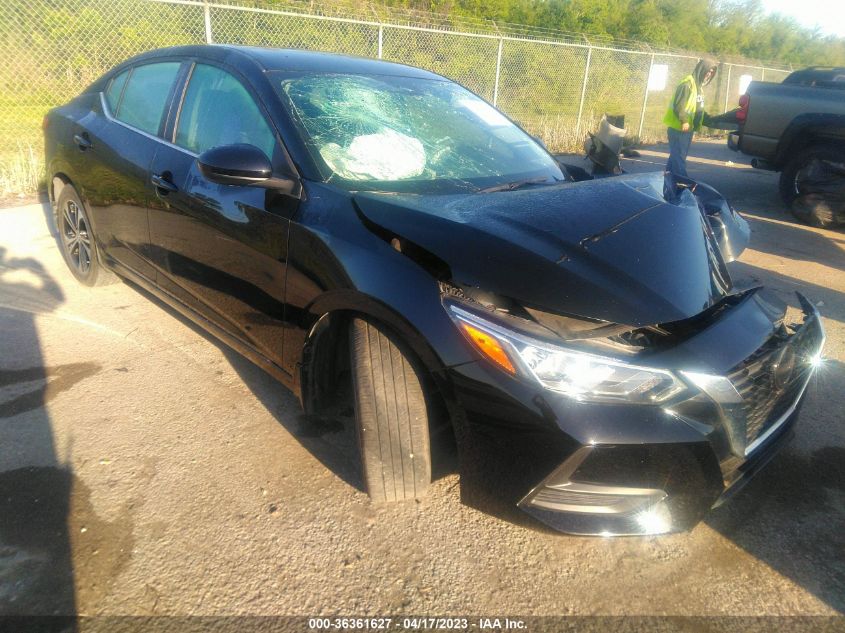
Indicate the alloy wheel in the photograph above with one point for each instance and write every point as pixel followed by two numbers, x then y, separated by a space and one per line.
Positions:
pixel 76 237
pixel 795 187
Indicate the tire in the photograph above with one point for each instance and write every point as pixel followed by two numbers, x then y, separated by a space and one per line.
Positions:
pixel 76 240
pixel 814 210
pixel 391 415
pixel 789 183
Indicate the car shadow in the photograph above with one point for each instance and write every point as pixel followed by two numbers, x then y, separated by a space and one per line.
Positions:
pixel 490 472
pixel 783 236
pixel 329 438
pixel 38 492
pixel 790 516
pixel 484 484
pixel 829 302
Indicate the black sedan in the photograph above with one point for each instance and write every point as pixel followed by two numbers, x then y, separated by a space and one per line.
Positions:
pixel 381 239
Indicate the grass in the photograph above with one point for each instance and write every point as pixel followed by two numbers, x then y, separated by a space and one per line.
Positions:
pixel 22 171
pixel 562 134
pixel 22 147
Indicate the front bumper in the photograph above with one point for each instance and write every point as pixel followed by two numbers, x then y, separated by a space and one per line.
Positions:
pixel 644 470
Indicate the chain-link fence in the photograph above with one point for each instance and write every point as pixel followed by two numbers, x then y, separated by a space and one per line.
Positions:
pixel 556 85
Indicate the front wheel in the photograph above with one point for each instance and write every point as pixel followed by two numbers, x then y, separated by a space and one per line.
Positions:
pixel 76 240
pixel 391 415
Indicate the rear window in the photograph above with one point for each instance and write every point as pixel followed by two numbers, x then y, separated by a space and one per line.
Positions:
pixel 145 95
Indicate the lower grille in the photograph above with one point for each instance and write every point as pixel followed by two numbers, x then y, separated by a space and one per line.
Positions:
pixel 564 497
pixel 594 499
pixel 770 380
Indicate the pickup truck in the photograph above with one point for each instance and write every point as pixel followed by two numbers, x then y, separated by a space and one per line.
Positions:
pixel 789 126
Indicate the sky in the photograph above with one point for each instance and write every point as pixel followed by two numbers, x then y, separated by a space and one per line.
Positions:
pixel 827 14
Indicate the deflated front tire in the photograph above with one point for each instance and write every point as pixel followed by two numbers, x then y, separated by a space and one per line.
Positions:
pixel 391 415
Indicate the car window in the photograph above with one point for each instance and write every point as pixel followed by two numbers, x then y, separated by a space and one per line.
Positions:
pixel 146 94
pixel 115 90
pixel 385 129
pixel 218 110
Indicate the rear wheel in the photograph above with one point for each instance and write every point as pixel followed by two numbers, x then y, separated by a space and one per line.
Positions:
pixel 391 415
pixel 816 214
pixel 76 239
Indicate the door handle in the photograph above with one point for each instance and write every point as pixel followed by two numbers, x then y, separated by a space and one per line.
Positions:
pixel 161 183
pixel 82 141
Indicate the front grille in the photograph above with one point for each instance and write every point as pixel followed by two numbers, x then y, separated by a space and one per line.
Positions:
pixel 766 397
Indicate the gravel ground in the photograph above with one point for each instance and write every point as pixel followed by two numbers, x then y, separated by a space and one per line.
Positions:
pixel 147 469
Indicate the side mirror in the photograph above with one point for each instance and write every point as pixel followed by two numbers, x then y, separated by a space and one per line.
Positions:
pixel 238 164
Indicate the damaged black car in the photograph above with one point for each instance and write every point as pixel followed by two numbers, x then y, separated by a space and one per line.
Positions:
pixel 382 240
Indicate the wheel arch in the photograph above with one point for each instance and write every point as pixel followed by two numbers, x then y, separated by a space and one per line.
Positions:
pixel 55 186
pixel 325 352
pixel 807 130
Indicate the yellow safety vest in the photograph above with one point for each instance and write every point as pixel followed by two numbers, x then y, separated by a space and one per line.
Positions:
pixel 671 119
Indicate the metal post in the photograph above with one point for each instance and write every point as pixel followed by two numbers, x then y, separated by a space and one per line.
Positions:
pixel 727 87
pixel 763 74
pixel 583 91
pixel 207 14
pixel 380 39
pixel 498 70
pixel 645 98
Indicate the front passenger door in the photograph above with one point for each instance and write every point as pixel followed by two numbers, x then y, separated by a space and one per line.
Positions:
pixel 221 249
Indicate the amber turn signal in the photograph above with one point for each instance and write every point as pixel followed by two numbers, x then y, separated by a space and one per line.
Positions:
pixel 488 346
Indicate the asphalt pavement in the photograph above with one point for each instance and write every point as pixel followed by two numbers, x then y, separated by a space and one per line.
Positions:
pixel 147 469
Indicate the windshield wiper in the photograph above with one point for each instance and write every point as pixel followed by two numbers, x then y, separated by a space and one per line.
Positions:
pixel 516 184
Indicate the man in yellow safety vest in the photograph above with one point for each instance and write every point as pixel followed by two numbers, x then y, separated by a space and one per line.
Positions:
pixel 685 114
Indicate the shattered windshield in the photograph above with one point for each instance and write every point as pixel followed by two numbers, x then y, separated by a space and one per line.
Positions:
pixel 394 133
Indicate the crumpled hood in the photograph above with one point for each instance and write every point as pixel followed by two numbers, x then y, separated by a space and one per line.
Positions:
pixel 611 249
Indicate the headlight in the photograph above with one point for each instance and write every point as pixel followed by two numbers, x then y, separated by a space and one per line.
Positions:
pixel 579 375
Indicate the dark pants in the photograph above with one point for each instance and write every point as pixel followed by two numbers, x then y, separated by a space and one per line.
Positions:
pixel 679 143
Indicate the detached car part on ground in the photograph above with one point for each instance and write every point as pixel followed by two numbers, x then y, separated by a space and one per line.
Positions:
pixel 374 233
pixel 798 128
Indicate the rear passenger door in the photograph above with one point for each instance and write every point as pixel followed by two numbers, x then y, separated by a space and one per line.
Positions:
pixel 221 249
pixel 118 149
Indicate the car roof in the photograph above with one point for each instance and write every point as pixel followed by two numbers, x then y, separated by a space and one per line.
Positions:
pixel 816 74
pixel 270 59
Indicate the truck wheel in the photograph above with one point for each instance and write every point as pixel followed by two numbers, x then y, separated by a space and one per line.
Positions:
pixel 391 415
pixel 790 183
pixel 76 240
pixel 817 212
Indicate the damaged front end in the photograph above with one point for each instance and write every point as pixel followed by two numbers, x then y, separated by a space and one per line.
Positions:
pixel 604 311
pixel 732 376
